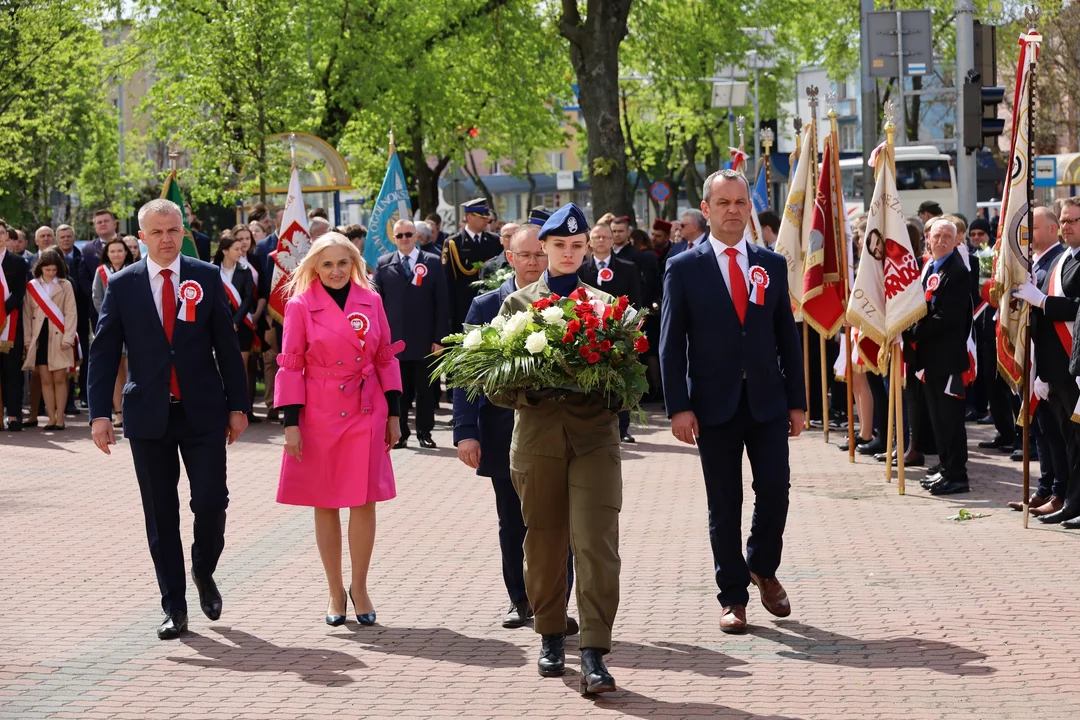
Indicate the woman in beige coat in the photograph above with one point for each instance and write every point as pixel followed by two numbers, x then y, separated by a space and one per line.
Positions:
pixel 49 318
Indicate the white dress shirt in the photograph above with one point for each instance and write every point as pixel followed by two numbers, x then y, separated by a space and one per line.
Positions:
pixel 722 259
pixel 601 264
pixel 411 259
pixel 156 281
pixel 690 244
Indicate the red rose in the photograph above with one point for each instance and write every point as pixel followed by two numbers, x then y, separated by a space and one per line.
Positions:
pixel 593 357
pixel 591 321
pixel 579 294
pixel 542 303
pixel 591 334
pixel 608 310
pixel 584 351
pixel 623 302
pixel 617 313
pixel 573 326
pixel 605 346
pixel 641 344
pixel 568 338
pixel 583 310
pixel 555 297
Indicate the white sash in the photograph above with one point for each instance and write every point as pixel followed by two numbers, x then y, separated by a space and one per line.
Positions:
pixel 7 322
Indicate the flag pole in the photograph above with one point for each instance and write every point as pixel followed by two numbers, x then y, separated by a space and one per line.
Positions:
pixel 393 147
pixel 812 96
pixel 798 124
pixel 1032 14
pixel 896 380
pixel 767 142
pixel 794 156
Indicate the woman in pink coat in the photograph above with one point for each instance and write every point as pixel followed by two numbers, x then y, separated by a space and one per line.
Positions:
pixel 338 384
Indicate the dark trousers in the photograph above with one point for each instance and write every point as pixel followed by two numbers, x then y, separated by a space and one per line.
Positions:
pixel 721 451
pixel 1053 465
pixel 157 466
pixel 1001 410
pixel 922 435
pixel 950 434
pixel 624 422
pixel 1062 401
pixel 416 384
pixel 83 328
pixel 881 403
pixel 11 378
pixel 512 542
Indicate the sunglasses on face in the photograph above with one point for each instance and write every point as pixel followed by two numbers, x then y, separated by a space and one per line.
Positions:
pixel 402 236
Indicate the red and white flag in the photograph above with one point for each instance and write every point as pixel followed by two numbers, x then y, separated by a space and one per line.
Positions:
pixel 887 297
pixel 8 323
pixel 294 241
pixel 794 235
pixel 823 287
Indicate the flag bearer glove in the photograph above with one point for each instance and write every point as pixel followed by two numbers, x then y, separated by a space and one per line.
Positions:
pixel 1030 294
pixel 1041 388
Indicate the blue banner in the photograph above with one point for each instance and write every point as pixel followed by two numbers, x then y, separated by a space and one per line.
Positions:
pixel 760 192
pixel 391 206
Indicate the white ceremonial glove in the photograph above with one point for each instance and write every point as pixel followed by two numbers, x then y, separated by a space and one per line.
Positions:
pixel 1030 294
pixel 1041 388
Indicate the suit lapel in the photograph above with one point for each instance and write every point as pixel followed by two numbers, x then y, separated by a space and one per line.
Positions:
pixel 331 317
pixel 146 296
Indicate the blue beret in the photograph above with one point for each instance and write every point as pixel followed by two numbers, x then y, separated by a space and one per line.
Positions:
pixel 477 206
pixel 564 222
pixel 538 216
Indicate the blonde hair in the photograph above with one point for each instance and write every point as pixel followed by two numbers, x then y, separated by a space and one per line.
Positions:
pixel 306 273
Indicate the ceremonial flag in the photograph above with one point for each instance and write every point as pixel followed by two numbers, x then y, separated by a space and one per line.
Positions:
pixel 294 241
pixel 171 191
pixel 759 194
pixel 823 291
pixel 391 206
pixel 789 241
pixel 752 233
pixel 887 296
pixel 1012 268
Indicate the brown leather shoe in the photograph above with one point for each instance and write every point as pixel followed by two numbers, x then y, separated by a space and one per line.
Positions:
pixel 1052 505
pixel 1036 500
pixel 733 621
pixel 773 595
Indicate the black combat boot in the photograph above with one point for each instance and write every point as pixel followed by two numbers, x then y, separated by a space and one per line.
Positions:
pixel 552 662
pixel 595 677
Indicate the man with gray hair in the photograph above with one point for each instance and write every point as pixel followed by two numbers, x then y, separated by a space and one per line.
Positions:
pixel 318 227
pixel 695 230
pixel 186 394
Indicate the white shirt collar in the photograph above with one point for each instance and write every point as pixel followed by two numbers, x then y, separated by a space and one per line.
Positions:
pixel 414 255
pixel 156 269
pixel 1075 251
pixel 719 248
pixel 698 239
pixel 606 260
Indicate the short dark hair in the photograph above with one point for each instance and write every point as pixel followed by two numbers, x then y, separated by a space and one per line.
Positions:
pixel 317 212
pixel 769 219
pixel 354 232
pixel 435 218
pixel 258 212
pixel 128 257
pixel 104 211
pixel 621 220
pixel 49 257
pixel 3 224
pixel 640 239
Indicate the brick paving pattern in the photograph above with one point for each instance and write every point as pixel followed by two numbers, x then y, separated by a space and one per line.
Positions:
pixel 898 612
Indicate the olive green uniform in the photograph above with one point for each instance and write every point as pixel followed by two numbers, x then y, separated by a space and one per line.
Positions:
pixel 566 466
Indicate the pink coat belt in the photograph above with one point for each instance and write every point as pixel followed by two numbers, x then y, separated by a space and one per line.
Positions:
pixel 338 372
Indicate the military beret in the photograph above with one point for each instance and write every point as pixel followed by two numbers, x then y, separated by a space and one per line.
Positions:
pixel 564 222
pixel 538 216
pixel 477 207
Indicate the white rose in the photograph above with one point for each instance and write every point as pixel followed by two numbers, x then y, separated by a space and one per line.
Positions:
pixel 516 323
pixel 553 315
pixel 473 339
pixel 536 342
pixel 498 322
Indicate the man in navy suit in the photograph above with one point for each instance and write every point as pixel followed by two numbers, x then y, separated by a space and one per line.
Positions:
pixel 186 392
pixel 482 434
pixel 413 287
pixel 732 371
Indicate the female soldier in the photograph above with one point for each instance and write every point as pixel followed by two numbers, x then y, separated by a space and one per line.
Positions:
pixel 338 384
pixel 566 466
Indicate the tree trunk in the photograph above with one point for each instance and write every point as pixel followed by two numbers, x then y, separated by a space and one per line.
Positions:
pixel 594 54
pixel 427 177
pixel 913 112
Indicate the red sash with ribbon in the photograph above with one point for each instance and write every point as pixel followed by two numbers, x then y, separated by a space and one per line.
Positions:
pixel 103 274
pixel 39 291
pixel 1063 329
pixel 234 303
pixel 8 323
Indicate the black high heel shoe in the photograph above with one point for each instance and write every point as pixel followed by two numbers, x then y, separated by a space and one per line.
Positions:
pixel 334 620
pixel 366 619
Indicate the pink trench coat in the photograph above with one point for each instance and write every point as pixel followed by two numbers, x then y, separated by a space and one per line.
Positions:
pixel 340 380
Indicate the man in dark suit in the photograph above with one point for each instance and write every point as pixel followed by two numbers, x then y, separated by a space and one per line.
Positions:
pixel 65 240
pixel 12 292
pixel 940 343
pixel 186 393
pixel 438 237
pixel 1054 303
pixel 732 368
pixel 460 255
pixel 1049 496
pixel 482 434
pixel 652 293
pixel 202 240
pixel 695 231
pixel 614 276
pixel 413 289
pixel 499 262
pixel 104 230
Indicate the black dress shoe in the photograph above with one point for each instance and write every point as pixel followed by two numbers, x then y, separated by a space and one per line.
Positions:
pixel 1073 524
pixel 949 487
pixel 595 677
pixel 426 442
pixel 986 420
pixel 934 469
pixel 14 426
pixel 402 442
pixel 571 626
pixel 858 443
pixel 1060 516
pixel 518 615
pixel 873 447
pixel 174 624
pixel 628 438
pixel 997 442
pixel 209 597
pixel 929 480
pixel 552 662
pixel 1018 455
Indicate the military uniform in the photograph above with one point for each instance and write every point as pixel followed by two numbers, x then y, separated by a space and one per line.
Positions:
pixel 460 253
pixel 566 466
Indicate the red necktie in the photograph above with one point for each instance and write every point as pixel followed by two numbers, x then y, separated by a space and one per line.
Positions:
pixel 739 295
pixel 168 321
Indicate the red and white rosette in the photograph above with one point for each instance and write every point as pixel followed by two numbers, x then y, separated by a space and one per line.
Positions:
pixel 418 274
pixel 191 294
pixel 932 283
pixel 606 275
pixel 759 280
pixel 360 323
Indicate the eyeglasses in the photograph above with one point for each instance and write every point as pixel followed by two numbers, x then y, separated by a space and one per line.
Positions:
pixel 402 236
pixel 1069 221
pixel 538 257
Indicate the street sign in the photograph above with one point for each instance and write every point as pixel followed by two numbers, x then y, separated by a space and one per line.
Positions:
pixel 660 191
pixel 730 94
pixel 915 41
pixel 1046 172
pixel 564 180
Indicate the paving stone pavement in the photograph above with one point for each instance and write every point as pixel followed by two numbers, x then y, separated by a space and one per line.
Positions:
pixel 898 611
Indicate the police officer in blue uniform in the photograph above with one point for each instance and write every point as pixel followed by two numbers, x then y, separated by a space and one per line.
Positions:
pixel 462 256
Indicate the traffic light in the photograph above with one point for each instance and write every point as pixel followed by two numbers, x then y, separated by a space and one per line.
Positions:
pixel 980 112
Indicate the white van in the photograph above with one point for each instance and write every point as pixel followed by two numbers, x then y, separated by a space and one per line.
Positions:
pixel 922 173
